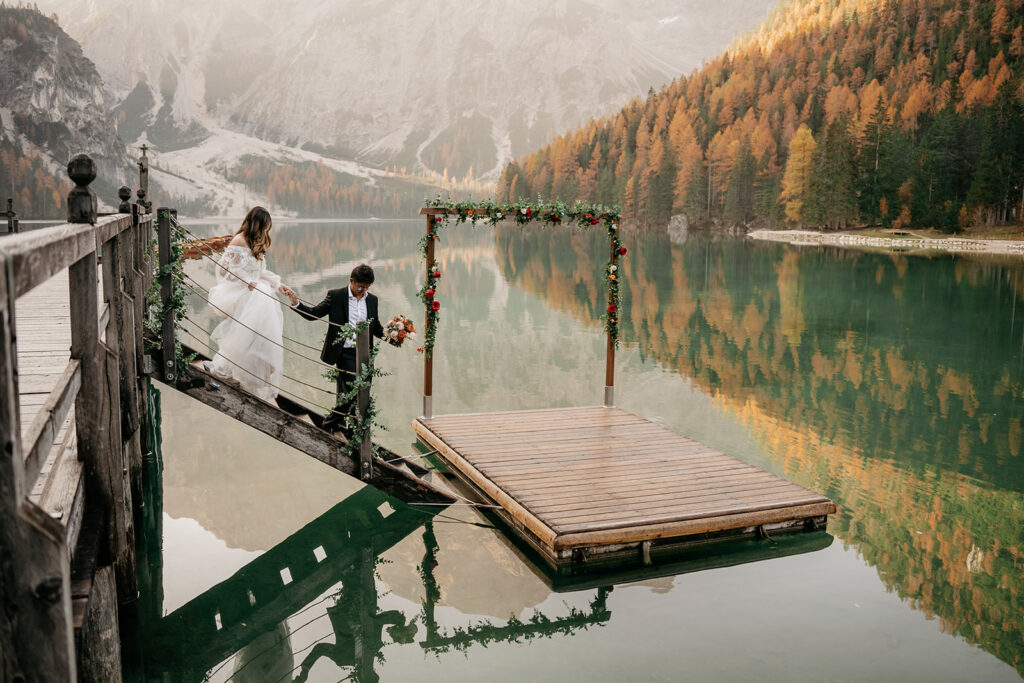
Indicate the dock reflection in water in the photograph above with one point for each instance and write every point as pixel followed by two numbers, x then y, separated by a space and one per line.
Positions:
pixel 312 603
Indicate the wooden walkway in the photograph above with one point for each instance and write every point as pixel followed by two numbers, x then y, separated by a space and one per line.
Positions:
pixel 581 482
pixel 43 322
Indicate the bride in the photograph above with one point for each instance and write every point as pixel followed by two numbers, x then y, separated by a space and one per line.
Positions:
pixel 248 341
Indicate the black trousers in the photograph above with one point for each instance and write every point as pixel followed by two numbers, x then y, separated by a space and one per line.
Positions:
pixel 346 365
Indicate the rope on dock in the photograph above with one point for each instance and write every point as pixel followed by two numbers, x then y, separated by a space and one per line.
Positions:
pixel 275 343
pixel 185 230
pixel 294 379
pixel 271 384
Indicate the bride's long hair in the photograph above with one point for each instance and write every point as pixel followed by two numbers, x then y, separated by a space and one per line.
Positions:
pixel 256 230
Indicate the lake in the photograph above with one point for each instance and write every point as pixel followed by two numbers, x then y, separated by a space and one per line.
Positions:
pixel 891 383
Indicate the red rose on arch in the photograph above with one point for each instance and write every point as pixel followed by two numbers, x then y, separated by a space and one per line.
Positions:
pixel 529 213
pixel 436 305
pixel 437 273
pixel 429 293
pixel 611 309
pixel 622 251
pixel 437 219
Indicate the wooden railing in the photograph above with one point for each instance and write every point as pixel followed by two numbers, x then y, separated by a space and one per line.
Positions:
pixel 51 566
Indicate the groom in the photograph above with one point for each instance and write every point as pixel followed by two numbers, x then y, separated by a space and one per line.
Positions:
pixel 352 305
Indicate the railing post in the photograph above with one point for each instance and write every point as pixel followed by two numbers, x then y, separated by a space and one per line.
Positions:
pixel 12 217
pixel 428 359
pixel 363 405
pixel 119 417
pixel 143 191
pixel 168 364
pixel 609 364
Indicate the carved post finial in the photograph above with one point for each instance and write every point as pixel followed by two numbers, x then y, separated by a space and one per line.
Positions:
pixel 81 200
pixel 124 193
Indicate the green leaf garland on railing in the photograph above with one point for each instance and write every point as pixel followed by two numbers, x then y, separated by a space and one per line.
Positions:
pixel 179 305
pixel 358 426
pixel 580 214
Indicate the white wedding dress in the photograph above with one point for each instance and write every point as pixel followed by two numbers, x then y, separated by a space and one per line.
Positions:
pixel 254 360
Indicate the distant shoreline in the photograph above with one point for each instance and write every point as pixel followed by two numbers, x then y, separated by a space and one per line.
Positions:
pixel 897 242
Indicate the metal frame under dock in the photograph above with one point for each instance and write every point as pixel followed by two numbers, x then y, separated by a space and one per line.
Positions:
pixel 580 483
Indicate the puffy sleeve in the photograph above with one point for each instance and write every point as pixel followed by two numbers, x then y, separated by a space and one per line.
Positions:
pixel 231 267
pixel 272 279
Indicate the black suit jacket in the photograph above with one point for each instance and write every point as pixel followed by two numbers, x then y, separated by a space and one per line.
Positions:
pixel 336 304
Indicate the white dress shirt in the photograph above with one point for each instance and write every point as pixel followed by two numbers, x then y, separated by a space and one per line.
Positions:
pixel 356 313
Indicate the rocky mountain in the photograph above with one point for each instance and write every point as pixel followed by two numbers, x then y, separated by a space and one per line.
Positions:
pixel 52 106
pixel 454 87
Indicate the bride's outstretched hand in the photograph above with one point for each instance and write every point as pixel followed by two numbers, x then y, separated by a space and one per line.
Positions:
pixel 287 291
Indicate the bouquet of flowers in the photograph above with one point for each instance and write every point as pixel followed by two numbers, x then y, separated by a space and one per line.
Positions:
pixel 398 330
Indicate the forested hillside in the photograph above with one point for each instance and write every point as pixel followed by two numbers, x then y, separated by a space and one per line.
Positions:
pixel 834 113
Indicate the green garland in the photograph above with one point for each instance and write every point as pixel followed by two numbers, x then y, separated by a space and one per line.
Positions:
pixel 358 426
pixel 178 303
pixel 522 212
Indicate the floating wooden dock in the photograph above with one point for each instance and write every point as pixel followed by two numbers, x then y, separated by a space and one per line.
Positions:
pixel 577 483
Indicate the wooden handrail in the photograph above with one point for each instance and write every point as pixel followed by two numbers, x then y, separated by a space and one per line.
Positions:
pixel 38 255
pixel 102 381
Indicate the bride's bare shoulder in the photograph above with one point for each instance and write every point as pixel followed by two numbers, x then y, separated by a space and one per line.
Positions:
pixel 238 241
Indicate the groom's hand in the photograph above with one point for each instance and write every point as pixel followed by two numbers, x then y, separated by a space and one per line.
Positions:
pixel 292 297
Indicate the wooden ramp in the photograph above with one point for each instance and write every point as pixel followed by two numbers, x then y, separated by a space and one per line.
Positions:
pixel 585 482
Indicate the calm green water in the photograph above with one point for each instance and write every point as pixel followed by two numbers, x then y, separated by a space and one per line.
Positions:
pixel 893 384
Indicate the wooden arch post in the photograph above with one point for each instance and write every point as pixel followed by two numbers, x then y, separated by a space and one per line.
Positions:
pixel 609 364
pixel 428 359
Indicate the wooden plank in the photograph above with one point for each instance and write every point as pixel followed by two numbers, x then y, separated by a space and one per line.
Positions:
pixel 619 450
pixel 560 435
pixel 651 482
pixel 692 527
pixel 565 463
pixel 541 530
pixel 618 483
pixel 714 510
pixel 706 505
pixel 49 419
pixel 525 413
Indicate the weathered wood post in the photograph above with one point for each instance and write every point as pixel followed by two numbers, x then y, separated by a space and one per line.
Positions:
pixel 97 406
pixel 609 365
pixel 363 405
pixel 168 366
pixel 143 191
pixel 428 360
pixel 12 217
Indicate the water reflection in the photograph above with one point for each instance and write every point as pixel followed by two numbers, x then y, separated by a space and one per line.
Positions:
pixel 892 384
